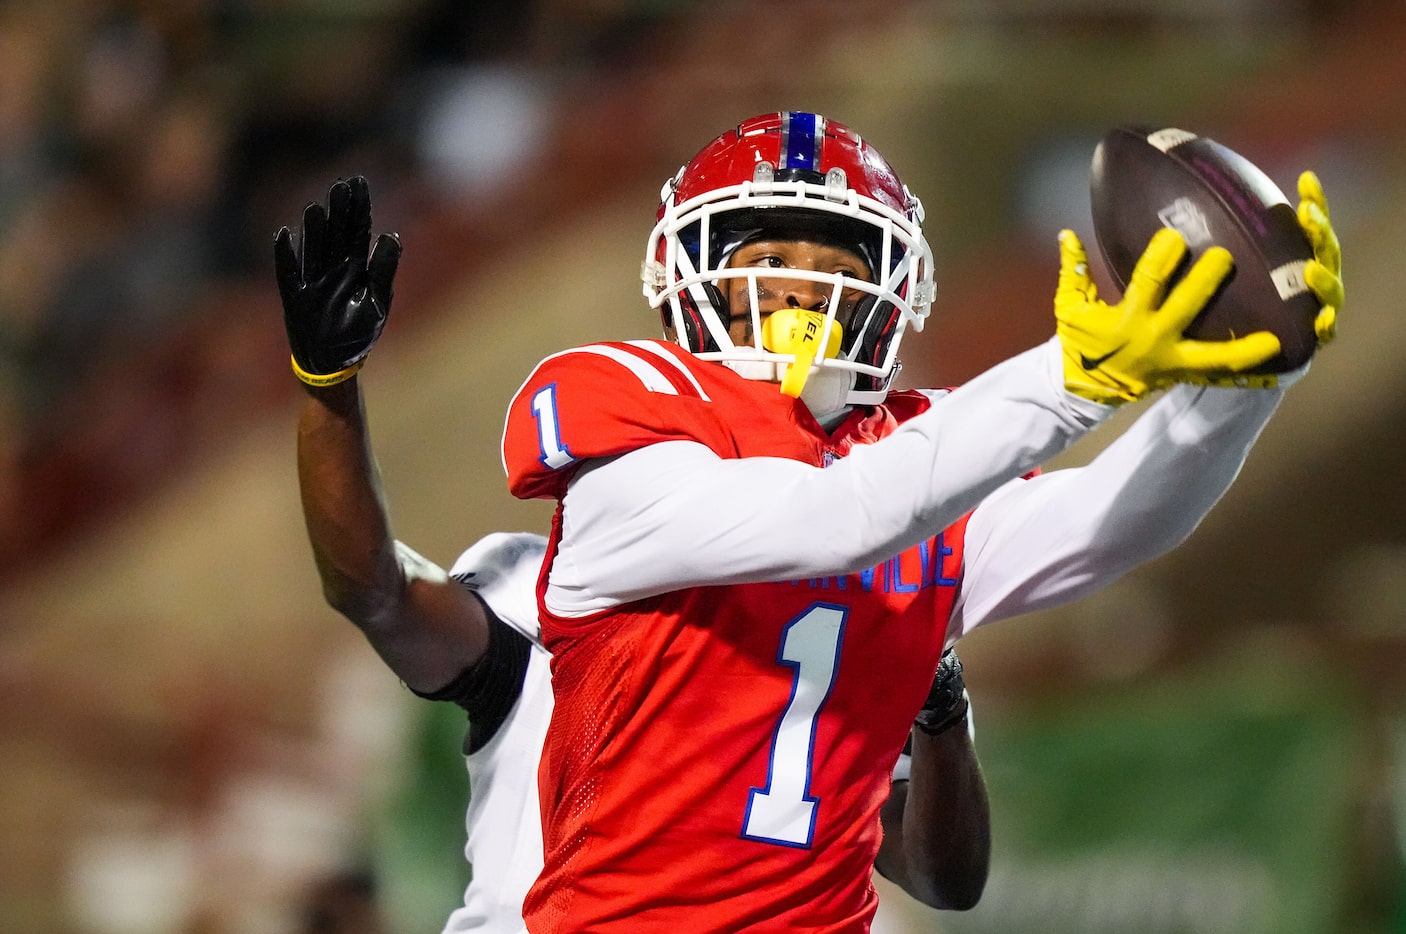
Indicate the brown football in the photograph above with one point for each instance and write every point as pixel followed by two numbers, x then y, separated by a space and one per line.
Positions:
pixel 1143 180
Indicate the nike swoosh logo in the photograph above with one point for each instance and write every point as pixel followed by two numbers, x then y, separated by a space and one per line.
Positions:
pixel 1092 363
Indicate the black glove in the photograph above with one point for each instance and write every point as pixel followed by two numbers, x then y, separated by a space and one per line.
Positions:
pixel 335 302
pixel 947 701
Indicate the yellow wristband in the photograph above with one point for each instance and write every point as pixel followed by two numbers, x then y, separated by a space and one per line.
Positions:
pixel 330 379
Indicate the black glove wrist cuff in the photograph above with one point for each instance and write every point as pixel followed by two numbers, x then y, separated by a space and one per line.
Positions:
pixel 933 722
pixel 947 701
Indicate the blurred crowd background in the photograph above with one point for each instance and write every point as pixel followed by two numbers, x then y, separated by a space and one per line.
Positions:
pixel 191 741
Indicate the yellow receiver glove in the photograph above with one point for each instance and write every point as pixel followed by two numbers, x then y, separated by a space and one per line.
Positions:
pixel 1323 273
pixel 1118 353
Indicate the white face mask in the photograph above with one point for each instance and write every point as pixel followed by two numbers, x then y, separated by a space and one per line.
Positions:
pixel 684 269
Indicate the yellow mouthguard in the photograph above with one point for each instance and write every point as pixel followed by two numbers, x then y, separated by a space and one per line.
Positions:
pixel 797 331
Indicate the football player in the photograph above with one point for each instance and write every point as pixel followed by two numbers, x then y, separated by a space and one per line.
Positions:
pixel 471 636
pixel 761 551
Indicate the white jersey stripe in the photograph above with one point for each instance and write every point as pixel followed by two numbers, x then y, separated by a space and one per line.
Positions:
pixel 652 379
pixel 661 353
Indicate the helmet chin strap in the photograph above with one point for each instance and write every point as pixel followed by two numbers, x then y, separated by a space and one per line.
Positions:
pixel 824 390
pixel 826 393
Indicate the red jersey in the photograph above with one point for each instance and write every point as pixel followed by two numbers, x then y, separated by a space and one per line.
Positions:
pixel 718 755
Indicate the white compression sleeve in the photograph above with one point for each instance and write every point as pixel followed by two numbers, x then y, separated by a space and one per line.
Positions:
pixel 674 514
pixel 1046 541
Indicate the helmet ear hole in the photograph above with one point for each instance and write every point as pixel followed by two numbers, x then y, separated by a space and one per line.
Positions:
pixel 859 319
pixel 873 338
pixel 715 295
pixel 697 337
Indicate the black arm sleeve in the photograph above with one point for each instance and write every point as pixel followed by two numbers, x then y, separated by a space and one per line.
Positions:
pixel 489 687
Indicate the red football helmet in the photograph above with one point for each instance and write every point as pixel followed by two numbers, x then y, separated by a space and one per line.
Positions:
pixel 794 176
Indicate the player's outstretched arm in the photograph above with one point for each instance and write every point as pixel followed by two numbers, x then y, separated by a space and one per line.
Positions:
pixel 1038 544
pixel 426 627
pixel 937 822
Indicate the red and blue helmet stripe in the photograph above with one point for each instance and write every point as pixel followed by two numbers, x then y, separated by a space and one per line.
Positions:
pixel 801 134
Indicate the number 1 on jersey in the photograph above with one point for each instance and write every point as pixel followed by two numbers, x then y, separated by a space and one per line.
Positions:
pixel 784 812
pixel 544 409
